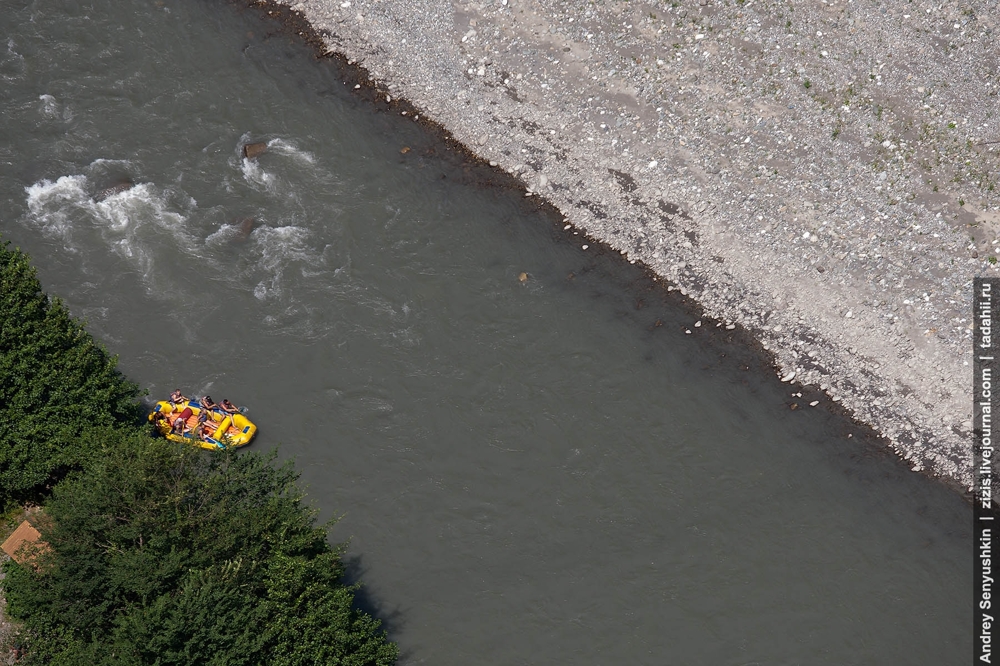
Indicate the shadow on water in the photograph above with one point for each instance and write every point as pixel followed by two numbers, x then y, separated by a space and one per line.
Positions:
pixel 355 573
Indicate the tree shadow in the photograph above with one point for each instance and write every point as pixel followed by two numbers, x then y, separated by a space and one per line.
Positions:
pixel 366 601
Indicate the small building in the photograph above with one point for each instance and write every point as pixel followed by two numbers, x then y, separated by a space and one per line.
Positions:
pixel 24 535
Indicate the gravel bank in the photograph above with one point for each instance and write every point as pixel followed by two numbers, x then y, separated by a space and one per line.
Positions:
pixel 820 173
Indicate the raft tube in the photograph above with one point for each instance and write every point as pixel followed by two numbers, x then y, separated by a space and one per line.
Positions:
pixel 225 430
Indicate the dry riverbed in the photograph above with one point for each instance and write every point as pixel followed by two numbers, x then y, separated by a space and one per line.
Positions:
pixel 822 173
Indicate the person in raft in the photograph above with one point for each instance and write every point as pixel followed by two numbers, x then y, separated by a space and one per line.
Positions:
pixel 208 403
pixel 228 407
pixel 177 397
pixel 180 423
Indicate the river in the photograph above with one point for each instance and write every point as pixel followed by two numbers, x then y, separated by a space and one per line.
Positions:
pixel 539 455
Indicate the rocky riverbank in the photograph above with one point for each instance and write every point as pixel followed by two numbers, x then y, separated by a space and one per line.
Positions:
pixel 820 173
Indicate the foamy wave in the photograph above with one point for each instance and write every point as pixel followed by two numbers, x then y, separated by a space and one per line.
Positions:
pixel 226 234
pixel 288 168
pixel 12 63
pixel 255 175
pixel 280 248
pixel 260 292
pixel 54 207
pixel 106 162
pixel 138 206
pixel 133 224
pixel 281 245
pixel 283 147
pixel 50 107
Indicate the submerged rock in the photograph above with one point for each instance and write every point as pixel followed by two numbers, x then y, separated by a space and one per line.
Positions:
pixel 252 150
pixel 117 188
pixel 245 226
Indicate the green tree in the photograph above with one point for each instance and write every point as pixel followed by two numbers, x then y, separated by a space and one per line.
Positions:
pixel 55 383
pixel 163 554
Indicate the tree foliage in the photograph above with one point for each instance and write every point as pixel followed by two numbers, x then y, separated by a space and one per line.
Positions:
pixel 163 554
pixel 158 553
pixel 55 383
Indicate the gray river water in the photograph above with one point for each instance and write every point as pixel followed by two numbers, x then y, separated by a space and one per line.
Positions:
pixel 529 471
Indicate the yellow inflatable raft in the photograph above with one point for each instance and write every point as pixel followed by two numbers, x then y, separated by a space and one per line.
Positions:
pixel 218 431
